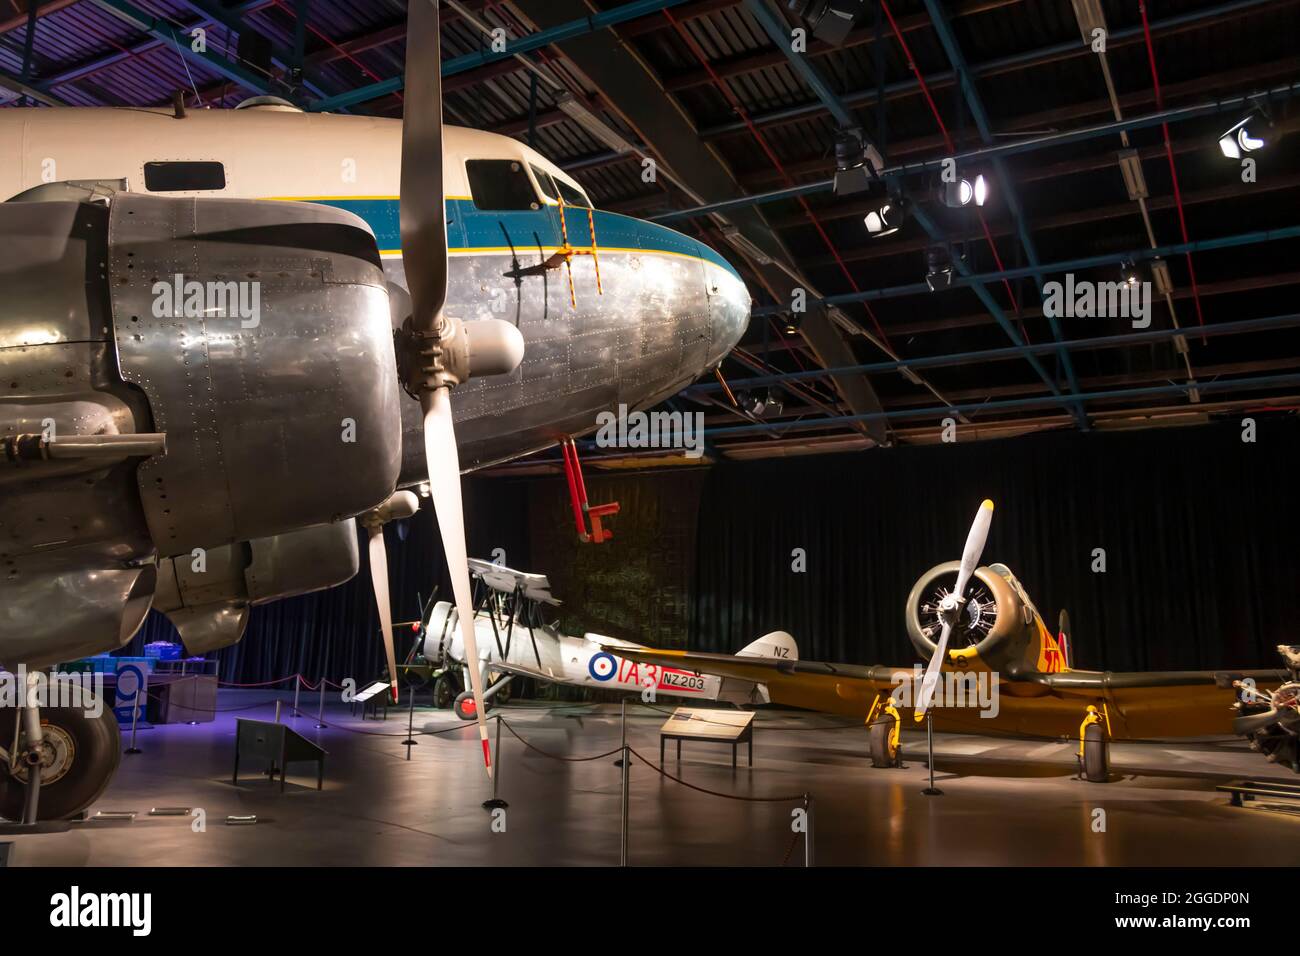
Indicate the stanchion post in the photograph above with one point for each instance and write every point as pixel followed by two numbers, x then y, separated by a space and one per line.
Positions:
pixel 135 715
pixel 320 711
pixel 410 740
pixel 808 831
pixel 496 803
pixel 277 711
pixel 932 790
pixel 297 686
pixel 627 760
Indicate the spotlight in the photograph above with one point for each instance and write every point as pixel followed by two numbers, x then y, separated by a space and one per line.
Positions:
pixel 829 20
pixel 886 220
pixel 963 192
pixel 1128 273
pixel 790 324
pixel 1242 138
pixel 856 162
pixel 938 266
pixel 766 402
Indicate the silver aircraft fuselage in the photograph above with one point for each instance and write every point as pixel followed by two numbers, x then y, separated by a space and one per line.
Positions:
pixel 254 475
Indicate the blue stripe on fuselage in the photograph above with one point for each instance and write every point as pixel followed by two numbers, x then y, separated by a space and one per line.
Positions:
pixel 469 228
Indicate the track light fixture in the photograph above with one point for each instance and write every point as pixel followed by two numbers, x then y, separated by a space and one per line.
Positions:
pixel 762 402
pixel 963 192
pixel 1244 137
pixel 856 162
pixel 938 268
pixel 1129 273
pixel 887 218
pixel 829 20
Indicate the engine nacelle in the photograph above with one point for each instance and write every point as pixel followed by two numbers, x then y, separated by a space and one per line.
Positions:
pixel 281 415
pixel 124 322
pixel 207 595
pixel 998 628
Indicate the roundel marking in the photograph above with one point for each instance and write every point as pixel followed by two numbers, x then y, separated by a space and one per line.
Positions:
pixel 602 666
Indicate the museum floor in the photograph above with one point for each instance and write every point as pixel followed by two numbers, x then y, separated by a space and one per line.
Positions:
pixel 1005 802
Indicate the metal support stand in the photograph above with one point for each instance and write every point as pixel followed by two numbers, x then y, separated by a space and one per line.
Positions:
pixel 808 833
pixel 622 852
pixel 410 740
pixel 135 714
pixel 297 686
pixel 32 754
pixel 277 711
pixel 932 790
pixel 320 711
pixel 496 803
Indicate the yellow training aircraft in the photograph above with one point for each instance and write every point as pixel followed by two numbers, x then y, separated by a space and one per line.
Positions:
pixel 1007 674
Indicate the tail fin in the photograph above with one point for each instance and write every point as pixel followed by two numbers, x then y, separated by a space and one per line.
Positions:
pixel 776 644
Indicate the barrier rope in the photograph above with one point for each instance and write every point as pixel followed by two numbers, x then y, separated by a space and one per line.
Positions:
pixel 530 746
pixel 798 797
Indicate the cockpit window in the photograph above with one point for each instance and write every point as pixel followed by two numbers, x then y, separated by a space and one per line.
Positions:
pixel 571 196
pixel 546 184
pixel 499 185
pixel 162 177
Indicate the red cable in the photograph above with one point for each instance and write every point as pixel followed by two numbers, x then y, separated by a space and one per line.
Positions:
pixel 1169 154
pixel 744 116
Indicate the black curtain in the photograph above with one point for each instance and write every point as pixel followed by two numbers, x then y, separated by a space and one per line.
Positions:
pixel 1199 531
pixel 335 633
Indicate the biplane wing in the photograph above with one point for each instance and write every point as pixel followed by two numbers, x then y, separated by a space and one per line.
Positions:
pixel 534 587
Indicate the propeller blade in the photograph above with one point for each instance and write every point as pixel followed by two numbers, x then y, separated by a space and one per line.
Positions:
pixel 970 556
pixel 444 483
pixel 1253 722
pixel 970 559
pixel 422 211
pixel 379 578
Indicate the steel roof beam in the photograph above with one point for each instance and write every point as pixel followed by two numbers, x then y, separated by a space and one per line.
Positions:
pixel 147 23
pixel 952 49
pixel 535 41
pixel 1043 55
pixel 1029 145
pixel 1069 265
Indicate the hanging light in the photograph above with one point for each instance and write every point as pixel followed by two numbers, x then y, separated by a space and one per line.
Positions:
pixel 1242 138
pixel 1129 274
pixel 963 192
pixel 938 266
pixel 887 218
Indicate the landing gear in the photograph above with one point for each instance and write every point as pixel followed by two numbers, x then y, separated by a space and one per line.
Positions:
pixel 444 691
pixel 884 748
pixel 1094 748
pixel 76 757
pixel 464 706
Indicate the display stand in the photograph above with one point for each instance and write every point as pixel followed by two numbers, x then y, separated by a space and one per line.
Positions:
pixel 732 727
pixel 496 803
pixel 277 744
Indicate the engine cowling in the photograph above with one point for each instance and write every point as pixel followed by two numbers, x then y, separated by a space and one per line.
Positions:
pixel 208 595
pixel 996 630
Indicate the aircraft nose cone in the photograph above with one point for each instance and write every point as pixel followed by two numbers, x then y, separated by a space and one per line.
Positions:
pixel 730 314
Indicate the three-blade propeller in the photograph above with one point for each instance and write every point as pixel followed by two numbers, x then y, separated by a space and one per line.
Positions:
pixel 951 607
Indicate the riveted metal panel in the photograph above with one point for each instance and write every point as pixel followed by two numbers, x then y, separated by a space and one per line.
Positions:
pixel 256 410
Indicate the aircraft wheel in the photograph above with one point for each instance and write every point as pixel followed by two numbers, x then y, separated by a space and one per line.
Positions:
pixel 1096 754
pixel 79 755
pixel 444 692
pixel 883 753
pixel 464 706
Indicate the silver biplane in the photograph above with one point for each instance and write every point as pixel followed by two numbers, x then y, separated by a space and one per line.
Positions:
pixel 519 635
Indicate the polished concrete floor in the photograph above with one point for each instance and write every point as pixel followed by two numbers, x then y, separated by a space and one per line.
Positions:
pixel 1005 802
